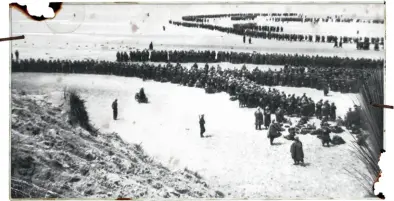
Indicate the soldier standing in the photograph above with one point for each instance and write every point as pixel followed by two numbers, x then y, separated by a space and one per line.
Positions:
pixel 326 137
pixel 259 118
pixel 202 125
pixel 297 152
pixel 333 112
pixel 325 89
pixel 318 108
pixel 115 109
pixel 17 55
pixel 267 117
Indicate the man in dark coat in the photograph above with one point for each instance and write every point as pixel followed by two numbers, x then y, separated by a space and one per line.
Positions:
pixel 202 125
pixel 297 152
pixel 115 109
pixel 17 55
pixel 142 96
pixel 326 90
pixel 333 113
pixel 318 109
pixel 267 117
pixel 326 136
pixel 326 110
pixel 274 131
pixel 259 118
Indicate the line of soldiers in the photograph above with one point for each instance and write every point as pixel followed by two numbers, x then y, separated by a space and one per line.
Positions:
pixel 247 17
pixel 294 17
pixel 138 56
pixel 247 27
pixel 232 30
pixel 194 17
pixel 342 80
pixel 326 19
pixel 183 56
pixel 273 33
pixel 213 80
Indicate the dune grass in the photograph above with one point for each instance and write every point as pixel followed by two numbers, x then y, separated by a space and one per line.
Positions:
pixel 373 119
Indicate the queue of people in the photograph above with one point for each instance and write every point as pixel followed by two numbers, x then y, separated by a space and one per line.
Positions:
pixel 297 60
pixel 337 79
pixel 247 92
pixel 277 33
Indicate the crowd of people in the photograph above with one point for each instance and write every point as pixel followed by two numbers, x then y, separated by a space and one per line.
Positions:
pixel 236 83
pixel 213 80
pixel 183 56
pixel 273 33
pixel 337 19
pixel 258 32
pixel 252 27
pixel 342 80
pixel 284 17
pixel 338 79
pixel 246 15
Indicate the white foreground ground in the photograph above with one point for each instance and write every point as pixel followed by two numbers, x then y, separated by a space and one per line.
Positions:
pixel 236 158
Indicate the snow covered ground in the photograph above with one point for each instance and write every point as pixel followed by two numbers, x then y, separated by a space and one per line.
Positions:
pixel 97 34
pixel 235 158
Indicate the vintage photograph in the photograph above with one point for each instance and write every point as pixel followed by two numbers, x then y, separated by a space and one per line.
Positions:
pixel 195 101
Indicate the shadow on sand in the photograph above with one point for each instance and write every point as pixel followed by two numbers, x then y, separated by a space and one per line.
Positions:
pixel 305 164
pixel 276 143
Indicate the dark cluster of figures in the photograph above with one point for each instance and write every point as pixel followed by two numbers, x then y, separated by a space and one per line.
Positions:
pixel 193 18
pixel 324 111
pixel 140 97
pixel 272 33
pixel 248 93
pixel 245 27
pixel 213 80
pixel 337 19
pixel 282 17
pixel 184 56
pixel 342 80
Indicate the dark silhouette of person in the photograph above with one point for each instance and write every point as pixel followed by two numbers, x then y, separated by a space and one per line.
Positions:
pixel 151 46
pixel 115 109
pixel 142 94
pixel 17 55
pixel 297 152
pixel 326 137
pixel 202 125
pixel 258 118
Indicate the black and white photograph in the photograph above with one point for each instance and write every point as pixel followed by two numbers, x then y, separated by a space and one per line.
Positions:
pixel 197 101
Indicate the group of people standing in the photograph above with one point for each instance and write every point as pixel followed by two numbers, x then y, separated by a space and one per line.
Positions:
pixel 296 60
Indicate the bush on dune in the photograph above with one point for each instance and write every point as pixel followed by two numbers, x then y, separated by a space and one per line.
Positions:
pixel 78 114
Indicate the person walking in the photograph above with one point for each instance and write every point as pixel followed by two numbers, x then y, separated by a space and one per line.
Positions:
pixel 115 109
pixel 202 125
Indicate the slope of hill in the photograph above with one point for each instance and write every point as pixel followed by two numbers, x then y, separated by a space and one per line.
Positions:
pixel 51 158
